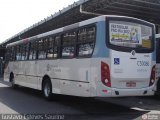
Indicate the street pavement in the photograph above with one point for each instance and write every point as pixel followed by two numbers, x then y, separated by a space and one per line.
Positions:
pixel 24 101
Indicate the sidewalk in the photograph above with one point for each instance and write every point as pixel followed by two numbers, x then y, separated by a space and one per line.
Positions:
pixel 3 82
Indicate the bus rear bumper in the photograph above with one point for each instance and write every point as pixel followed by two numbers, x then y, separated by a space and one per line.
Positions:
pixel 115 92
pixel 132 92
pixel 104 91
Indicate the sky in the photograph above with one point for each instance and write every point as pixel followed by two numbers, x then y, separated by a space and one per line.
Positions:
pixel 17 15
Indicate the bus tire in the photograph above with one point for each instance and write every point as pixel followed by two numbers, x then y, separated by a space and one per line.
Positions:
pixel 158 88
pixel 47 89
pixel 12 81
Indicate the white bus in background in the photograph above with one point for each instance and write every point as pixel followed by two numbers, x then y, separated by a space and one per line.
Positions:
pixel 106 56
pixel 158 63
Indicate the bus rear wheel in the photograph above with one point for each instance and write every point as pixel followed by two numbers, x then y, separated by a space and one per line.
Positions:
pixel 158 88
pixel 47 89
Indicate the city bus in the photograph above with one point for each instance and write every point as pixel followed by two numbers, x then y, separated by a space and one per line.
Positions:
pixel 158 64
pixel 106 56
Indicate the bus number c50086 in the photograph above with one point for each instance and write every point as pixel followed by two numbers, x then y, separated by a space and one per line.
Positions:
pixel 143 63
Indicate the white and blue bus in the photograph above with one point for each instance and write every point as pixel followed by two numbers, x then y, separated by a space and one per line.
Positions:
pixel 106 56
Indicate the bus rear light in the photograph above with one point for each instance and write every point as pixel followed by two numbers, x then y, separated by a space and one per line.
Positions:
pixel 105 74
pixel 153 75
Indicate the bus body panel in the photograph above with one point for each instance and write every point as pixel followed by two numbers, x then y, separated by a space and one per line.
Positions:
pixel 128 71
pixel 99 89
pixel 69 77
pixel 75 77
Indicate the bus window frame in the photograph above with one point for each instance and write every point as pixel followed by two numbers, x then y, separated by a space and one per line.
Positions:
pixel 35 50
pixel 19 51
pixel 50 39
pixel 68 45
pixel 59 46
pixel 78 43
pixel 12 53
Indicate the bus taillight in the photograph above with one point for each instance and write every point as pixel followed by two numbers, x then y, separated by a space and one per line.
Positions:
pixel 153 73
pixel 105 74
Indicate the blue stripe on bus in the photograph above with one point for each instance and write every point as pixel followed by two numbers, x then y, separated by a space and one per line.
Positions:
pixel 154 53
pixel 101 49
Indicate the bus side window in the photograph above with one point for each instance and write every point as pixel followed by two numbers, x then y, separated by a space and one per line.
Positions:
pixel 68 44
pixel 45 47
pixel 18 52
pixel 14 53
pixel 32 51
pixel 86 41
pixel 57 42
pixel 53 47
pixel 42 48
pixel 8 55
pixel 11 53
pixel 50 48
pixel 27 51
pixel 23 51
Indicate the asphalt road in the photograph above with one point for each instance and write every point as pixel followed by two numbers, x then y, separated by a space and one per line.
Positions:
pixel 24 101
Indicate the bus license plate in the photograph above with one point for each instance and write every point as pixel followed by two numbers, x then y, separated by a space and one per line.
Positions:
pixel 131 84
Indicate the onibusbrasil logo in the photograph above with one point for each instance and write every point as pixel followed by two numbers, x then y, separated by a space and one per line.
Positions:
pixel 150 117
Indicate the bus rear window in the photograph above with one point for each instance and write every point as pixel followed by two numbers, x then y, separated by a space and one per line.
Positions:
pixel 130 35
